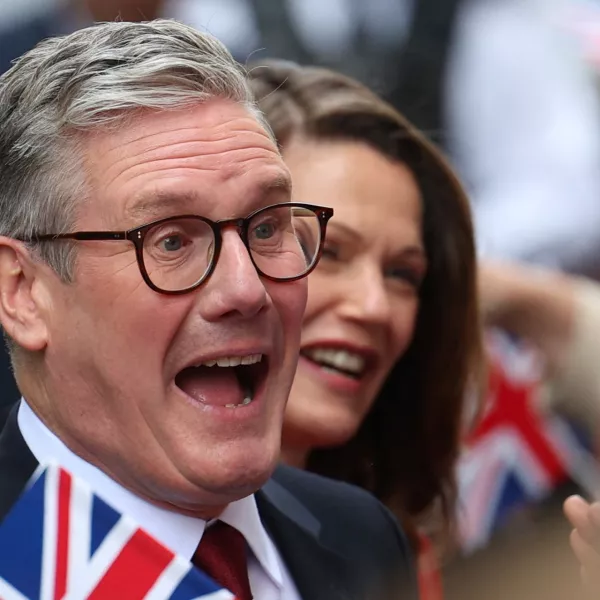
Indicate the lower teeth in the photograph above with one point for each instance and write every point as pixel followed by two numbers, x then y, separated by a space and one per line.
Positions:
pixel 245 402
pixel 248 392
pixel 335 371
pixel 331 370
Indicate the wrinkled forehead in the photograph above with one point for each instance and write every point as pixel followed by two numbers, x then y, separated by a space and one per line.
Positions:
pixel 198 158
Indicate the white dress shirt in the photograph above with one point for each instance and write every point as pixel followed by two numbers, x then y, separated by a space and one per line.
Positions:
pixel 269 578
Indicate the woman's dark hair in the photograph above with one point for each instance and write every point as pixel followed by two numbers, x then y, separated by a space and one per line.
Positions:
pixel 405 451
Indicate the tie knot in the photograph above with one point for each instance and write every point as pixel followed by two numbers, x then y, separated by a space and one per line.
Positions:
pixel 221 554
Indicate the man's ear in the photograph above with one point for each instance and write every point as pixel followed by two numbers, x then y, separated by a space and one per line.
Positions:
pixel 21 313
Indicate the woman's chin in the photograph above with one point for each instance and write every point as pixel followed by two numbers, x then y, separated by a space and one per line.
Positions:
pixel 316 434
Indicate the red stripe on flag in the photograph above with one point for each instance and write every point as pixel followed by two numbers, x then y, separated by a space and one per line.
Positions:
pixel 428 569
pixel 135 570
pixel 514 407
pixel 62 535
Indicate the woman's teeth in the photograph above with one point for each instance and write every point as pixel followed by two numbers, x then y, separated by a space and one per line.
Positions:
pixel 339 360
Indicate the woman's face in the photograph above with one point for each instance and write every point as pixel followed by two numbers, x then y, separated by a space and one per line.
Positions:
pixel 363 297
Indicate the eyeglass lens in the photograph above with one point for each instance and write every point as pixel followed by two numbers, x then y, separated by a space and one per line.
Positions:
pixel 283 242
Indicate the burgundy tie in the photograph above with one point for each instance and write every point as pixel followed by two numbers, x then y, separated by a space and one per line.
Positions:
pixel 222 556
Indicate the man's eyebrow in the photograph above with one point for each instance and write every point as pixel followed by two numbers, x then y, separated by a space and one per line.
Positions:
pixel 281 182
pixel 161 202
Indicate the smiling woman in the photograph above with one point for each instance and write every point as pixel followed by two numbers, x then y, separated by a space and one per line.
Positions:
pixel 390 339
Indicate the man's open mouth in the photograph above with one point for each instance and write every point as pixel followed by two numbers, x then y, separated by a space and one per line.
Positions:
pixel 228 381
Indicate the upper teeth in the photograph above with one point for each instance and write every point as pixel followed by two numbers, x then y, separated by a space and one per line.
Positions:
pixel 232 361
pixel 340 359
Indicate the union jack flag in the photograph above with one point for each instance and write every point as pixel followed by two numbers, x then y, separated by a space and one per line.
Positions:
pixel 518 454
pixel 62 542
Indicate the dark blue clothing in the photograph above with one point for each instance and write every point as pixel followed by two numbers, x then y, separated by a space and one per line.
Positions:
pixel 17 40
pixel 14 42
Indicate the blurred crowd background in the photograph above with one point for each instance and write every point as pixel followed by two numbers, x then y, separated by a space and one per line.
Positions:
pixel 509 89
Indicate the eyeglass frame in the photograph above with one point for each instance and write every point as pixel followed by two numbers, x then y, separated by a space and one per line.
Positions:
pixel 137 236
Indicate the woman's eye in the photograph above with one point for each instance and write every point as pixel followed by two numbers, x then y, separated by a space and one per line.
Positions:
pixel 330 252
pixel 406 276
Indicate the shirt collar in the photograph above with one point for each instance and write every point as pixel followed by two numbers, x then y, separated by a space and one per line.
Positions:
pixel 243 515
pixel 180 533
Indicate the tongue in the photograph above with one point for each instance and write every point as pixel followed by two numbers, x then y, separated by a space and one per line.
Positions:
pixel 217 386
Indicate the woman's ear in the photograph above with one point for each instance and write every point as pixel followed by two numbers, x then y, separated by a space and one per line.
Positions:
pixel 21 315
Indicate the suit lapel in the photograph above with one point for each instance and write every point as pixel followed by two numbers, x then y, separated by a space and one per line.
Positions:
pixel 17 463
pixel 319 572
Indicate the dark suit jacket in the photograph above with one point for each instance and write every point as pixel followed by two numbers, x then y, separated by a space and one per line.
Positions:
pixel 15 40
pixel 8 388
pixel 337 541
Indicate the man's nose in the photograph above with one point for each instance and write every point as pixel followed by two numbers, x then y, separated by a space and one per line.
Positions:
pixel 234 286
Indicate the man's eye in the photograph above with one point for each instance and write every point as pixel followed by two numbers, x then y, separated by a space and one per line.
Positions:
pixel 171 243
pixel 264 231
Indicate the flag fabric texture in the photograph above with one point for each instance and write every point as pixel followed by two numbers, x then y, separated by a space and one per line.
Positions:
pixel 518 454
pixel 62 542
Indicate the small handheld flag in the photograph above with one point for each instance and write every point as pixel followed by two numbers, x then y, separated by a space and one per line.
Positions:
pixel 61 541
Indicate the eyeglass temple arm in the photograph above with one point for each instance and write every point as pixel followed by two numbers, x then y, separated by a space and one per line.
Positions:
pixel 80 235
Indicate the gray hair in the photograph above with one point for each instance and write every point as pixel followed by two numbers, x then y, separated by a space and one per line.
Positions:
pixel 94 78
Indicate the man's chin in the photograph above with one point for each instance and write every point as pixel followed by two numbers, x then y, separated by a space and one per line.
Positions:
pixel 232 480
pixel 206 499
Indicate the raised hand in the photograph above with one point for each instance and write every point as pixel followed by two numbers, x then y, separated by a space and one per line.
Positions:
pixel 585 538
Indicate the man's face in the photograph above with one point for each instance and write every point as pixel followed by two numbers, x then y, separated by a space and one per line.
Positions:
pixel 120 356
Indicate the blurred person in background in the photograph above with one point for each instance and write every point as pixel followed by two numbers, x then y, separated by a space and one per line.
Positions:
pixel 559 315
pixel 390 338
pixel 21 30
pixel 500 84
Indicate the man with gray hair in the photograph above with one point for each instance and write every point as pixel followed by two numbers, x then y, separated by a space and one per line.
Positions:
pixel 152 287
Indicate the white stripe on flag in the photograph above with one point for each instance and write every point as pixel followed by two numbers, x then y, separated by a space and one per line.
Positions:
pixel 8 592
pixel 220 595
pixel 169 579
pixel 36 475
pixel 581 465
pixel 50 533
pixel 103 558
pixel 80 534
